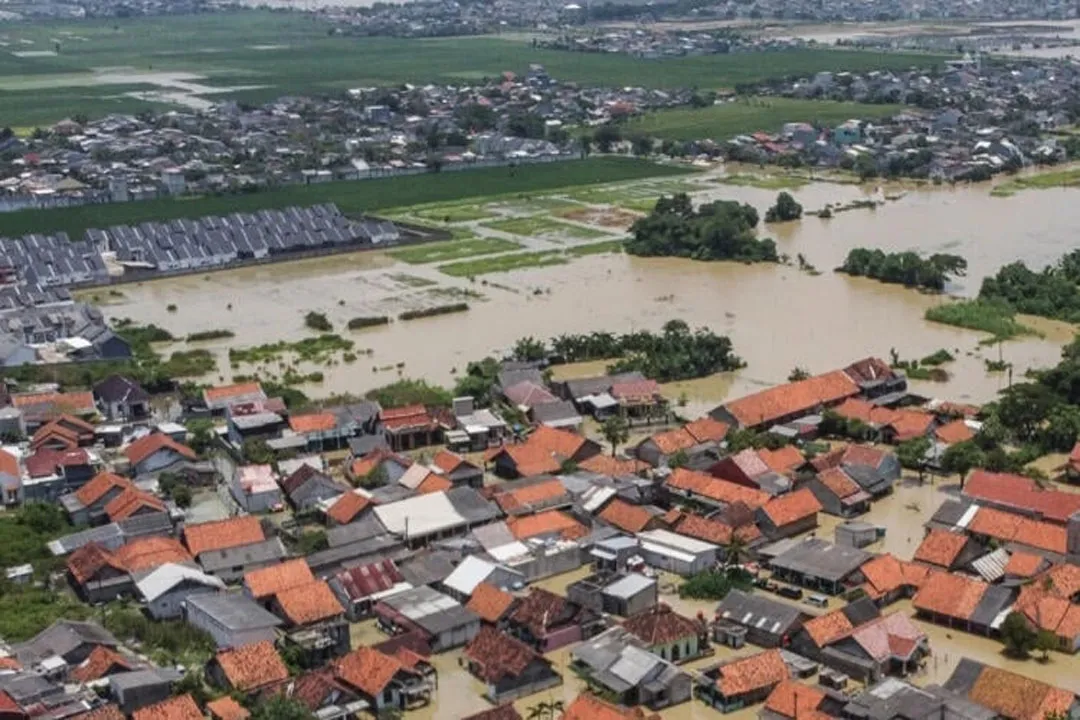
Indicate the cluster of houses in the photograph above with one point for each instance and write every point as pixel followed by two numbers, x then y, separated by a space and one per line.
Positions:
pixel 971 121
pixel 443 552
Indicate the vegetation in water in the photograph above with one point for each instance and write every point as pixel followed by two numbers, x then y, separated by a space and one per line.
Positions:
pixel 434 311
pixel 358 323
pixel 206 335
pixel 447 250
pixel 318 321
pixel 785 209
pixel 410 392
pixel 504 263
pixel 316 349
pixel 721 230
pixel 715 584
pixel 904 268
pixel 1053 292
pixel 994 317
pixel 675 353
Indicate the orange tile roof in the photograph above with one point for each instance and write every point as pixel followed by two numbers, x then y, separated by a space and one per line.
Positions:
pixel 222 534
pixel 89 560
pixel 223 392
pixel 615 467
pixel 252 666
pixel 489 602
pixel 706 429
pixel 629 518
pixel 9 464
pixel 955 432
pixel 176 708
pixel 941 548
pixel 1021 493
pixel 755 672
pixel 827 628
pixel 144 447
pixel 367 670
pixel 1018 697
pixel 546 523
pixel 885 574
pixel 148 553
pixel 587 706
pixel 660 625
pixel 433 483
pixel 102 712
pixel 715 489
pixel 408 416
pixel 910 424
pixel 447 462
pixel 1064 578
pixel 495 655
pixel 225 708
pixel 1022 564
pixel 1017 528
pixel 794 700
pixel 53 429
pixel 310 603
pixel 949 595
pixel 838 482
pixel 61 402
pixel 533 494
pixel 313 422
pixel 792 507
pixel 784 460
pixel 714 531
pixel 264 582
pixel 791 399
pixel 672 441
pixel 529 460
pixel 99 486
pixel 347 507
pixel 101 662
pixel 562 443
pixel 131 501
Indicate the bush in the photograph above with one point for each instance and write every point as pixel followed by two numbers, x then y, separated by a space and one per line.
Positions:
pixel 715 584
pixel 433 311
pixel 904 268
pixel 318 321
pixel 410 392
pixel 171 641
pixel 358 323
pixel 994 317
pixel 785 209
pixel 210 335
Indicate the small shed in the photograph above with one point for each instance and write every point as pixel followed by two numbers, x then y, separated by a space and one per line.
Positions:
pixel 856 534
pixel 676 553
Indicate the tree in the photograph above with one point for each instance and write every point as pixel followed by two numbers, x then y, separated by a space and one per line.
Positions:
pixel 1024 407
pixel 1045 641
pixel 961 457
pixel 1061 429
pixel 1018 636
pixel 735 550
pixel 615 431
pixel 257 452
pixel 798 374
pixel 529 348
pixel 280 707
pixel 545 710
pixel 912 454
pixel 679 459
pixel 200 434
pixel 182 496
pixel 606 136
pixel 785 209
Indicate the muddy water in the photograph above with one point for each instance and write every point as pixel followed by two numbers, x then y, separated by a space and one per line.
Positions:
pixel 777 316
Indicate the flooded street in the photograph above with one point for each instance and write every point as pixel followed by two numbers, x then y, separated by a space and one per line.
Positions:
pixel 777 316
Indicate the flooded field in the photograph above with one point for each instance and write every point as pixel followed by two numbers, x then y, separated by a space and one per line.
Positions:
pixel 778 317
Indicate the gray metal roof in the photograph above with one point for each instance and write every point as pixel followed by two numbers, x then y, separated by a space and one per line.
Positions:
pixel 254 553
pixel 61 638
pixel 629 586
pixel 430 609
pixel 234 611
pixel 756 611
pixel 140 678
pixel 471 505
pixel 819 558
pixel 365 528
pixel 110 536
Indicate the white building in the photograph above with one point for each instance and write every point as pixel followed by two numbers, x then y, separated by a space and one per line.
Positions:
pixel 256 489
pixel 676 553
pixel 166 589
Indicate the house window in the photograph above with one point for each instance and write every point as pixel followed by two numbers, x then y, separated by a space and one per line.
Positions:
pixel 675 652
pixel 388 695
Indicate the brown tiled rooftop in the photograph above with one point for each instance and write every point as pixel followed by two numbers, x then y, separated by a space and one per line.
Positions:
pixel 1018 697
pixel 347 507
pixel 628 518
pixel 226 708
pixel 222 534
pixel 660 625
pixel 587 706
pixel 548 522
pixel 496 655
pixel 794 700
pixel 101 662
pixel 489 602
pixel 949 595
pixel 182 707
pixel 940 548
pixel 309 603
pixel 264 582
pixel 751 673
pixel 252 666
pixel 792 507
pixel 367 670
pixel 827 628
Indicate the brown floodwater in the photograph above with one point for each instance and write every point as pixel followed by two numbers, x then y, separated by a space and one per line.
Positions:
pixel 777 316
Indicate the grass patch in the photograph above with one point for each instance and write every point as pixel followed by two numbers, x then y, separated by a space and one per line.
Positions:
pixel 317 349
pixel 764 182
pixel 207 335
pixel 1039 181
pixel 644 205
pixel 607 246
pixel 750 115
pixel 997 319
pixel 350 196
pixel 504 263
pixel 450 213
pixel 413 281
pixel 442 251
pixel 528 206
pixel 539 225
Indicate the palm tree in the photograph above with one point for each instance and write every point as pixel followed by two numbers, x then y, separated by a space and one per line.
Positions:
pixel 736 549
pixel 545 710
pixel 615 431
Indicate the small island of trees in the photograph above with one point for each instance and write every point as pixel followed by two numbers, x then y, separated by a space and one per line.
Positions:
pixel 721 230
pixel 1052 293
pixel 904 268
pixel 785 209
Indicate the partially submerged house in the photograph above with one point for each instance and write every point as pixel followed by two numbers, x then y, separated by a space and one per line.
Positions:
pixel 509 668
pixel 742 682
pixel 547 621
pixel 618 663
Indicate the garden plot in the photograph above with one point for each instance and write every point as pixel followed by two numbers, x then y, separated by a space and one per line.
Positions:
pixel 545 227
pixel 611 218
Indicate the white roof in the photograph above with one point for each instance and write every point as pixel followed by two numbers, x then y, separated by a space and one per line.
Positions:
pixel 629 586
pixel 680 542
pixel 288 467
pixel 595 497
pixel 510 551
pixel 414 476
pixel 169 575
pixel 471 572
pixel 421 515
pixel 171 428
pixel 968 516
pixel 668 551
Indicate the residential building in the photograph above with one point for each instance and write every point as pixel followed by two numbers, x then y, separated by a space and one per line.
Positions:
pixel 457 469
pixel 789 515
pixel 232 563
pixel 182 707
pixel 233 620
pixel 359 587
pixel 744 681
pixel 382 680
pixel 218 399
pixel 222 534
pixel 440 619
pixel 121 398
pixel 838 493
pixel 1008 694
pixel 629 518
pixel 156 453
pixel 711 491
pixel 763 621
pixel 665 633
pixel 308 488
pixel 675 553
pixel 946 550
pixel 618 663
pixel 473 571
pixel 166 589
pixel 255 488
pixel 86 506
pixel 874 470
pixel 411 427
pixel 248 669
pixel 820 565
pixel 958 601
pixel 547 621
pixel 509 668
pixel 698 442
pixel 544 452
pixel 626 595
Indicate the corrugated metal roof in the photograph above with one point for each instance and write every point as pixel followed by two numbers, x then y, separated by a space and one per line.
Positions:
pixel 992 566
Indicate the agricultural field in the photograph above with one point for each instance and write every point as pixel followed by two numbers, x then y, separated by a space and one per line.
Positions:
pixel 444 251
pixel 355 197
pixel 542 226
pixel 253 56
pixel 721 122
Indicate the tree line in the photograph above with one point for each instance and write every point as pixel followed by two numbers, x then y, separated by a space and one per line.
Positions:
pixel 905 268
pixel 1053 292
pixel 721 230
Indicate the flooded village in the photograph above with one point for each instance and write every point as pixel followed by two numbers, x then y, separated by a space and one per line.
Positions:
pixel 520 472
